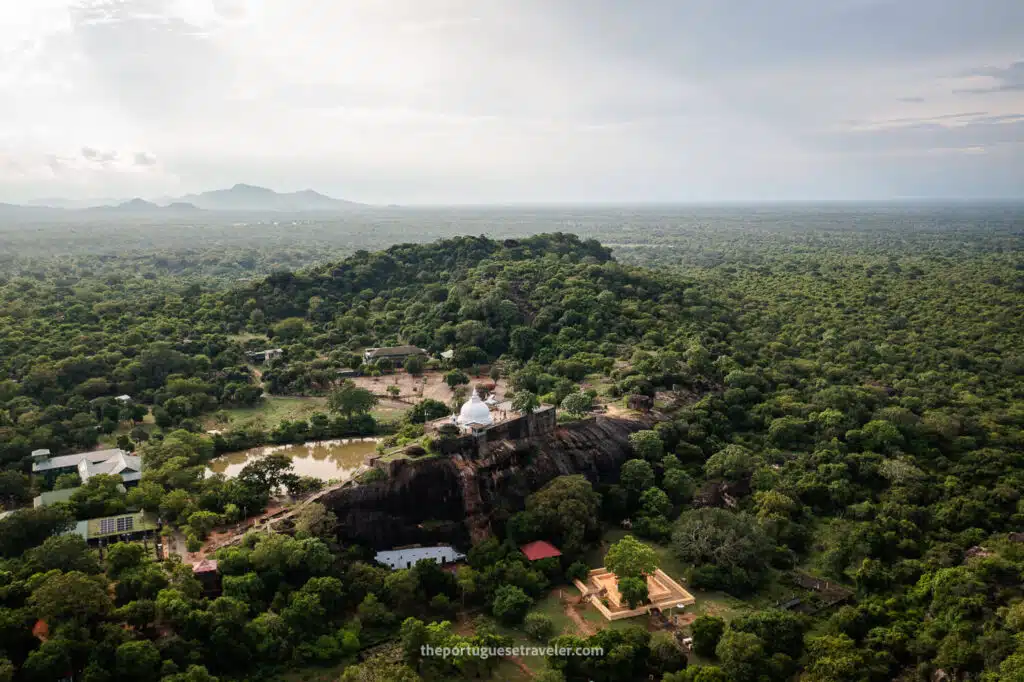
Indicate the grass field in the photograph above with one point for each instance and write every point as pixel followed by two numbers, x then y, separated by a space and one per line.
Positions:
pixel 551 606
pixel 389 411
pixel 268 415
pixel 275 409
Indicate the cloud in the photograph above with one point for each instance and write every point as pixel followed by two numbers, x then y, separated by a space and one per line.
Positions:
pixel 438 24
pixel 1007 79
pixel 965 133
pixel 458 100
pixel 948 120
pixel 230 9
pixel 97 156
pixel 147 60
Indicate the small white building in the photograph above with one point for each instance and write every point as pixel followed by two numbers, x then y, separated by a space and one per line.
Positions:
pixel 407 558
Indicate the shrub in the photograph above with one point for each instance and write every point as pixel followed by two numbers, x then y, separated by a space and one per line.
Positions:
pixel 577 571
pixel 538 627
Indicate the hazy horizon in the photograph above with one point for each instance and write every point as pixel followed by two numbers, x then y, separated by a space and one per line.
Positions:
pixel 457 103
pixel 100 202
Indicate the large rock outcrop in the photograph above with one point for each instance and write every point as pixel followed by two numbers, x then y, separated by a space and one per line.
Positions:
pixel 464 496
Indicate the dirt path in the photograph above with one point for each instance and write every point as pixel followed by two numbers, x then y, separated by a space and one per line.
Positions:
pixel 518 662
pixel 585 628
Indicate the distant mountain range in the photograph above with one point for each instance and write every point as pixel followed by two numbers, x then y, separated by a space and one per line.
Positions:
pixel 251 198
pixel 238 198
pixel 143 206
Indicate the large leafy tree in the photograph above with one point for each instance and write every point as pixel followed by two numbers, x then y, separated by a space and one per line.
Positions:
pixel 102 495
pixel 636 476
pixel 71 598
pixel 139 660
pixel 566 511
pixel 511 604
pixel 725 550
pixel 630 558
pixel 577 403
pixel 26 528
pixel 647 445
pixel 707 631
pixel 525 402
pixel 351 400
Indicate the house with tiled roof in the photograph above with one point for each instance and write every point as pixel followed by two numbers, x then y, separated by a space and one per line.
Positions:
pixel 535 551
pixel 393 353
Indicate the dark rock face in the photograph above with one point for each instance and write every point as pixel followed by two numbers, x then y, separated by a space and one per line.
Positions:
pixel 463 497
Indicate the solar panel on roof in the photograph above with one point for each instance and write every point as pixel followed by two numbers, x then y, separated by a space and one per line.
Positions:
pixel 125 524
pixel 107 526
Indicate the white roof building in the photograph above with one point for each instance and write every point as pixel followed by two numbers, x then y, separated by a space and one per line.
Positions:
pixel 128 467
pixel 43 461
pixel 88 464
pixel 407 558
pixel 475 412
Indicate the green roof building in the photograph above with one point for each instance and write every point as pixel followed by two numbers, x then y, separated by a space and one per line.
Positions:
pixel 117 528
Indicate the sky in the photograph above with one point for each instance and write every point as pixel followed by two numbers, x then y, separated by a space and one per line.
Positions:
pixel 510 101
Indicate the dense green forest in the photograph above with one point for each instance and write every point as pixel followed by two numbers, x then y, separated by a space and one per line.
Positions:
pixel 838 395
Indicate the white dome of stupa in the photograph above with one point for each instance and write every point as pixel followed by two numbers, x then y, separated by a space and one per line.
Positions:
pixel 475 411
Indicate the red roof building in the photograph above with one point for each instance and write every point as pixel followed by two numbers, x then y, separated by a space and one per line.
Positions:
pixel 206 572
pixel 540 549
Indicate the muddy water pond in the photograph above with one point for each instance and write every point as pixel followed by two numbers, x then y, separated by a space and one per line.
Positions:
pixel 323 459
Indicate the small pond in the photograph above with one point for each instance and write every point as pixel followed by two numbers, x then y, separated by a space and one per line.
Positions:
pixel 323 459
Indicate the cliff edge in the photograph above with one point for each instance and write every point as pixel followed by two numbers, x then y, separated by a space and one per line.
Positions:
pixel 462 497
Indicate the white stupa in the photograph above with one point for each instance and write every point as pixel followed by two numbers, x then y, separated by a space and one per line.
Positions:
pixel 475 412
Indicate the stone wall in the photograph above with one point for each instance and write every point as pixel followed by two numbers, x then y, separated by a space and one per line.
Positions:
pixel 536 425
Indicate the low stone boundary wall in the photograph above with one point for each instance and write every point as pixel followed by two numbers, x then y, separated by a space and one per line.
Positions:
pixel 593 596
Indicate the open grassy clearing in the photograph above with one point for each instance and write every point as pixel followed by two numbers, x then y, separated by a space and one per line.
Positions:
pixel 268 415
